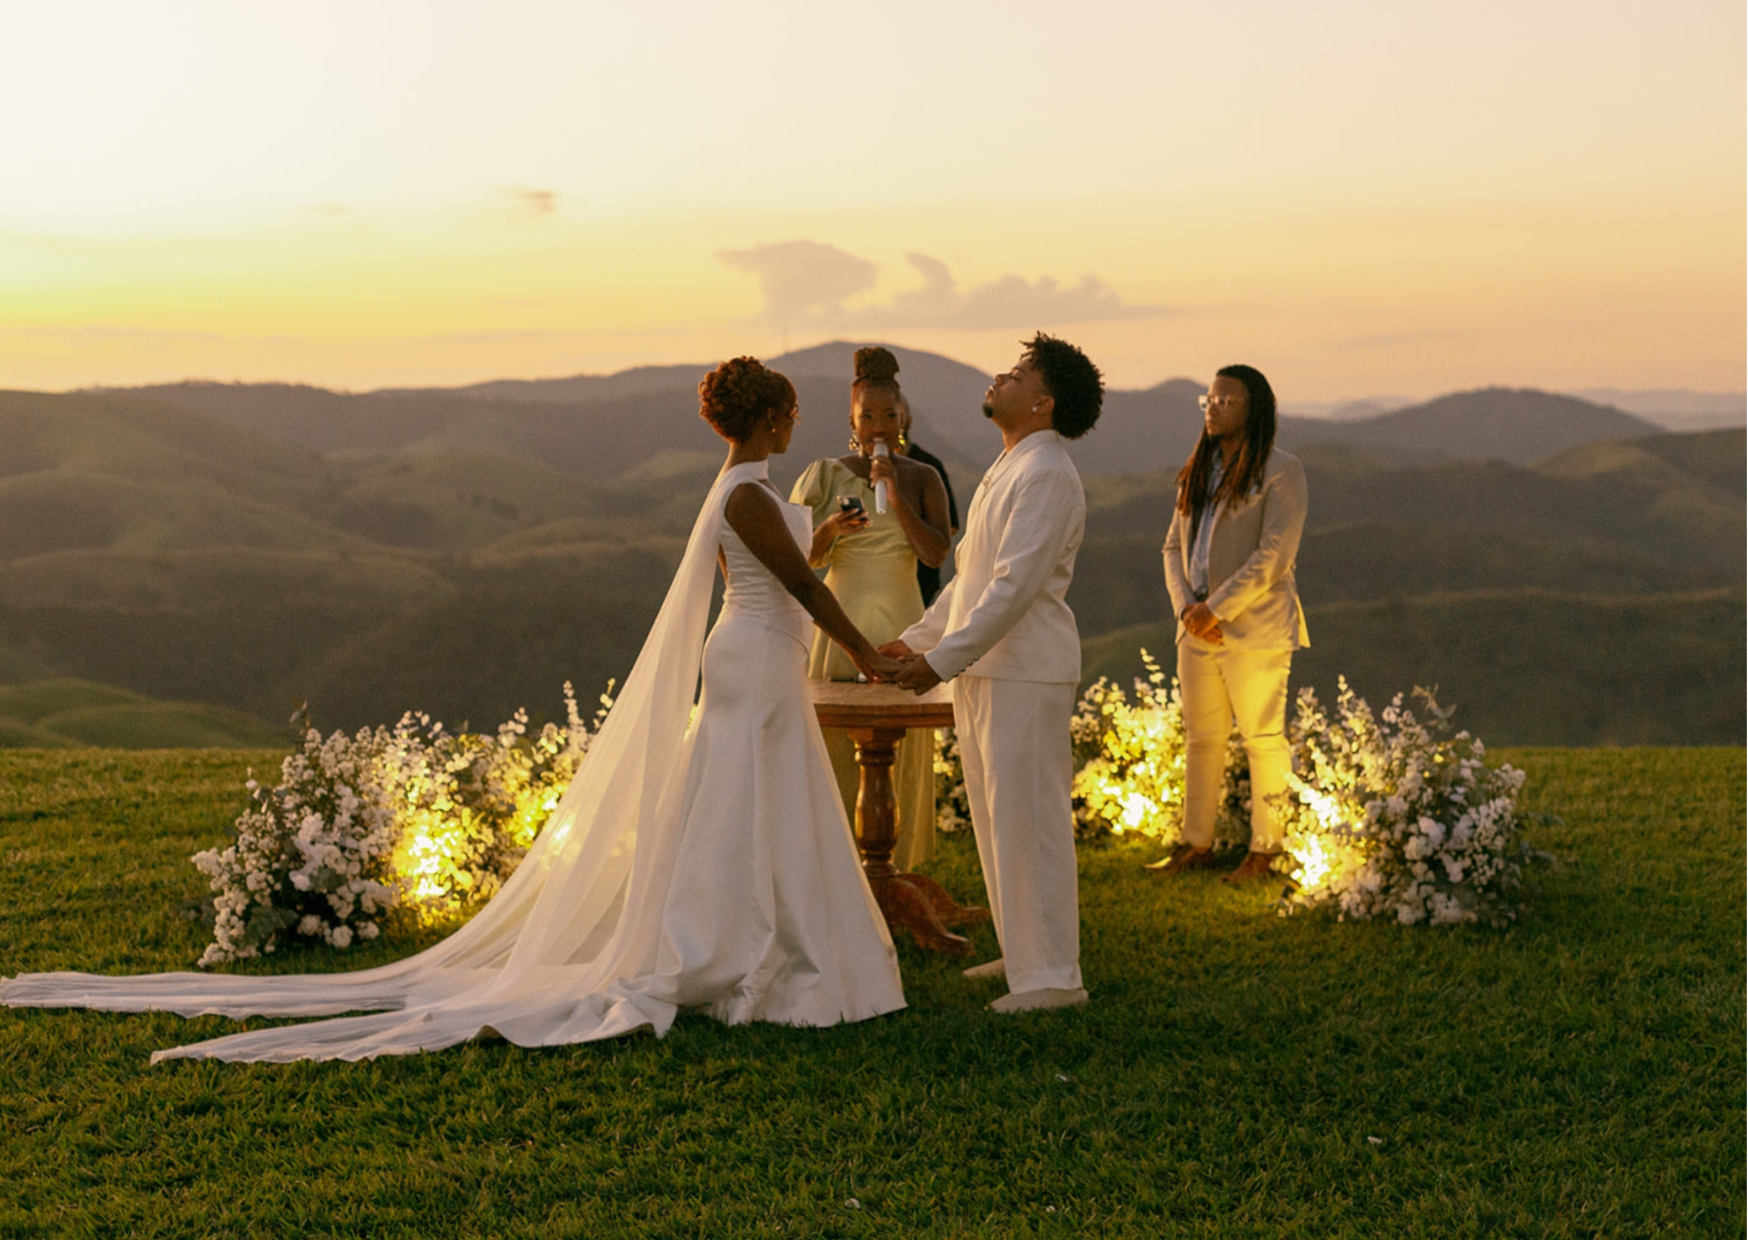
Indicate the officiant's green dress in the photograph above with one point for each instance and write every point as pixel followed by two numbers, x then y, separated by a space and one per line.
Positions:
pixel 873 574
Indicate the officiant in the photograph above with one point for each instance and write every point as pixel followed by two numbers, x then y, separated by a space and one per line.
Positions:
pixel 878 515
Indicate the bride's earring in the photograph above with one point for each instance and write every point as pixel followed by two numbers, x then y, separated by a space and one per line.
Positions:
pixel 855 444
pixel 903 441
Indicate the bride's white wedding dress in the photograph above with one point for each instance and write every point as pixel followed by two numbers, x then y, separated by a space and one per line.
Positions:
pixel 706 868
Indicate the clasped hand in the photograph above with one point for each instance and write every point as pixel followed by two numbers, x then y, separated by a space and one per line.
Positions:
pixel 879 668
pixel 1201 622
pixel 914 672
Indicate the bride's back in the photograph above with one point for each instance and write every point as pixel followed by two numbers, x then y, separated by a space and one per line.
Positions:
pixel 753 591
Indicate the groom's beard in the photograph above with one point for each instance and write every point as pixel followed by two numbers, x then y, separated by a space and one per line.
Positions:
pixel 988 410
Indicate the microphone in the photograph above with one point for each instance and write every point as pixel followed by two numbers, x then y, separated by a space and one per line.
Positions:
pixel 880 449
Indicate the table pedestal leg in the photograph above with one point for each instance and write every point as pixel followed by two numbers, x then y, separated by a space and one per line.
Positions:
pixel 912 901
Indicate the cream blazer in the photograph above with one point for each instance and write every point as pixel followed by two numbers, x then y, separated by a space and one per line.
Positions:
pixel 1004 615
pixel 1250 562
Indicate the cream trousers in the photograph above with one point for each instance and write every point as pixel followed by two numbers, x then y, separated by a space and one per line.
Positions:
pixel 1218 687
pixel 1019 771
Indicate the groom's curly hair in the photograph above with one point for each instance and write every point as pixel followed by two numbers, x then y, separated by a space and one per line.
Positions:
pixel 735 395
pixel 1071 380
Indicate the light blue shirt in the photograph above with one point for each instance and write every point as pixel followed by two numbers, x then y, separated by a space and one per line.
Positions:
pixel 1198 568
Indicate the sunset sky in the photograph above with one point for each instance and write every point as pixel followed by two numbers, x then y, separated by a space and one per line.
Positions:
pixel 1359 196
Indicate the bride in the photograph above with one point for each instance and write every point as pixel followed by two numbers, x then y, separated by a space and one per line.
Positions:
pixel 706 868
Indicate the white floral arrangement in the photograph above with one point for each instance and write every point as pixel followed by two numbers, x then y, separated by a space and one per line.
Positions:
pixel 1129 760
pixel 952 809
pixel 1384 817
pixel 309 855
pixel 1395 817
pixel 413 817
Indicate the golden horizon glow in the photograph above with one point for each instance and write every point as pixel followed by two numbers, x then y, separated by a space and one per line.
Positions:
pixel 1358 198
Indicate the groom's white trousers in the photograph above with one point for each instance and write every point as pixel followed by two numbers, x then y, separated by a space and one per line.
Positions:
pixel 1015 749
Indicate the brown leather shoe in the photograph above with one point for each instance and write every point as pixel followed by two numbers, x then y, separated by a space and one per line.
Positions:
pixel 1183 857
pixel 1255 867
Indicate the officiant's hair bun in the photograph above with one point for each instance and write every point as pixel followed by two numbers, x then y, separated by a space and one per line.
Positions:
pixel 876 365
pixel 876 371
pixel 735 395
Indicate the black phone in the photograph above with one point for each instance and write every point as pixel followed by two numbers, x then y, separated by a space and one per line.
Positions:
pixel 851 503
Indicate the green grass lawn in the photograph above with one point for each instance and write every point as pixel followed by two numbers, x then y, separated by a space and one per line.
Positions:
pixel 1237 1073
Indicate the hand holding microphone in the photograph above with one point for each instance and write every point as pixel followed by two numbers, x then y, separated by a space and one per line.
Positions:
pixel 881 453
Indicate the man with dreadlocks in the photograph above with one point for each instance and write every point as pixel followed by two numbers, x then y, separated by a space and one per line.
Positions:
pixel 1229 567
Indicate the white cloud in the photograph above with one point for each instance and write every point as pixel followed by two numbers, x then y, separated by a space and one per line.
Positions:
pixel 803 280
pixel 807 283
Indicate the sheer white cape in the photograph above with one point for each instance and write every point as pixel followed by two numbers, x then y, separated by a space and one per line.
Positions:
pixel 549 960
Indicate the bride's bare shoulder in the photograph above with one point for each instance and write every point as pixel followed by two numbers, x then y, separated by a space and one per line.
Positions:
pixel 750 500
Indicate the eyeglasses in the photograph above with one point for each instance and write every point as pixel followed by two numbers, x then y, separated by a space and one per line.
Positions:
pixel 1221 403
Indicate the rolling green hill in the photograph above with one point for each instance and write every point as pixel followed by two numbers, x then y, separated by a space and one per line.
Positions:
pixel 60 712
pixel 164 553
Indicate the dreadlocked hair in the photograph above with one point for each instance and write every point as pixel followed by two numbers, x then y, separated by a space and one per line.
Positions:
pixel 1250 465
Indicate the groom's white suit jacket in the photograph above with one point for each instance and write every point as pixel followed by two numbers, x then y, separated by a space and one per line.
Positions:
pixel 1004 615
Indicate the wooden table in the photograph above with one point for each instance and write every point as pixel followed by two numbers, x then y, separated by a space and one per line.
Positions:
pixel 876 716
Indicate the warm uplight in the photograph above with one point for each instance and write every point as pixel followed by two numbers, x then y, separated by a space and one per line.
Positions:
pixel 1314 864
pixel 425 863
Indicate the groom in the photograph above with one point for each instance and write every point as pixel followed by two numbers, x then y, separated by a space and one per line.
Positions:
pixel 1003 634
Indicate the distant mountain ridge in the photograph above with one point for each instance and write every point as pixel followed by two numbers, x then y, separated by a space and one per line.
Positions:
pixel 1506 424
pixel 598 426
pixel 1676 409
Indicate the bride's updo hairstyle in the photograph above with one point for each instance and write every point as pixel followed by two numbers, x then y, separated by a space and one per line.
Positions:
pixel 876 371
pixel 734 396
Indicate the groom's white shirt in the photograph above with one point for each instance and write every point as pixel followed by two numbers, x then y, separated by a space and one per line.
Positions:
pixel 1005 614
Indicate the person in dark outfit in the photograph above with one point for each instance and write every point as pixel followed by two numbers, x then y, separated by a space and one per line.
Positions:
pixel 928 576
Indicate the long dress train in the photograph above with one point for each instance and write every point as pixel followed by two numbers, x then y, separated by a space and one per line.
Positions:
pixel 706 867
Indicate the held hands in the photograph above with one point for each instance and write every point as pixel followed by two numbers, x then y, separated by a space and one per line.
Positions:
pixel 1201 622
pixel 877 667
pixel 915 674
pixel 881 668
pixel 913 671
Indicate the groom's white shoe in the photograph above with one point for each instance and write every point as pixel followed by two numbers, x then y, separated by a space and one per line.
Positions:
pixel 989 968
pixel 1040 1000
